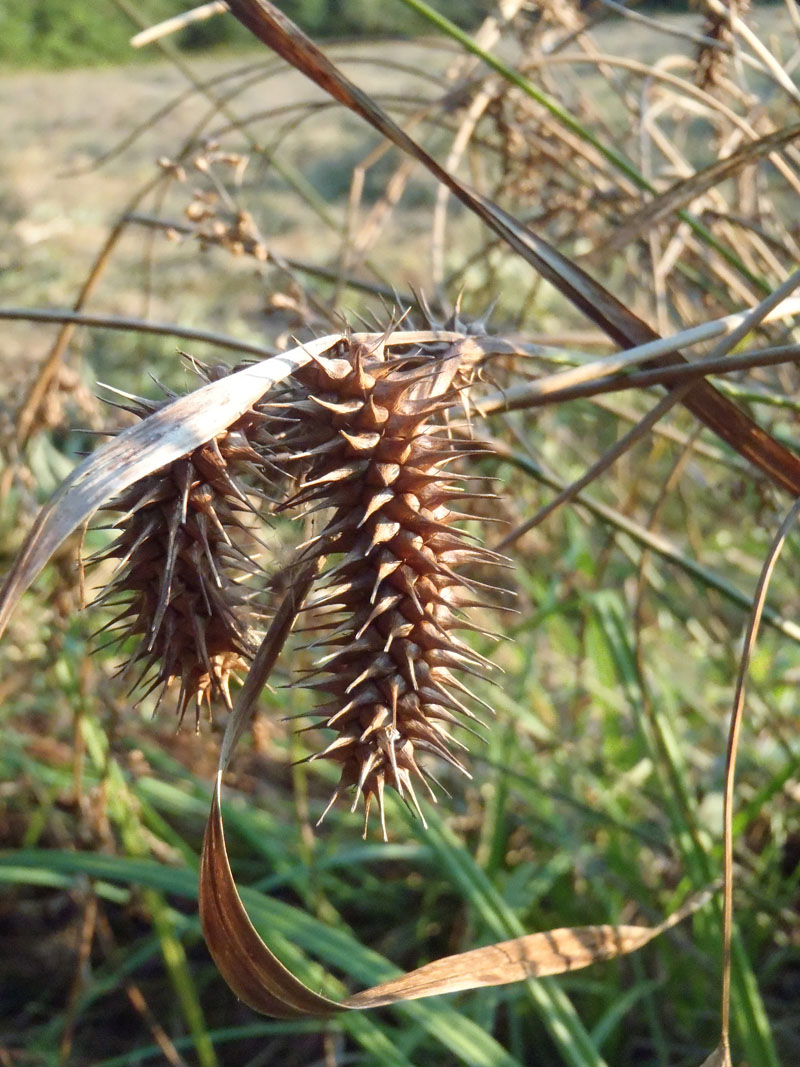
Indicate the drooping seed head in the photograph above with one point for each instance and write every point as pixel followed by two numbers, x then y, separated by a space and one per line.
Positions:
pixel 184 546
pixel 372 455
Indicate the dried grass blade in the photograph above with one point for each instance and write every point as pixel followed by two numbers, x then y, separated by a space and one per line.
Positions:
pixel 734 731
pixel 259 979
pixel 169 433
pixel 683 192
pixel 253 972
pixel 569 948
pixel 730 423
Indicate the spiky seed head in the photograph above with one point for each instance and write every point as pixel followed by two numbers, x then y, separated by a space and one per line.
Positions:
pixel 184 545
pixel 374 454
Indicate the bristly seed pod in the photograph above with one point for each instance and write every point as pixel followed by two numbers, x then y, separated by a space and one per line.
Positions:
pixel 362 434
pixel 368 432
pixel 184 563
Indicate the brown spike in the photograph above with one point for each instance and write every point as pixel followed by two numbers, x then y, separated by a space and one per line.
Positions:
pixel 331 802
pixel 385 604
pixel 386 564
pixel 380 785
pixel 381 664
pixel 345 407
pixel 364 442
pixel 381 533
pixel 379 719
pixel 375 502
pixel 373 448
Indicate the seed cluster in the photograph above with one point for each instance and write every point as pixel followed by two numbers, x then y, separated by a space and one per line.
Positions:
pixel 357 443
pixel 184 564
pixel 368 433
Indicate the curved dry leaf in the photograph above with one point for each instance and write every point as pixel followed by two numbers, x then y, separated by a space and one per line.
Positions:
pixel 166 435
pixel 253 972
pixel 259 979
pixel 169 433
pixel 721 415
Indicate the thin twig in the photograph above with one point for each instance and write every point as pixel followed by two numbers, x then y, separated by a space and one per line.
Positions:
pixel 758 611
pixel 178 23
pixel 133 325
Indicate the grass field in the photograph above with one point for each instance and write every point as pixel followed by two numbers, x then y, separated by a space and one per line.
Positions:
pixel 597 796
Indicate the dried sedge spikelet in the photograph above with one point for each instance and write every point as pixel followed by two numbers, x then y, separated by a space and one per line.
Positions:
pixel 376 453
pixel 181 582
pixel 713 58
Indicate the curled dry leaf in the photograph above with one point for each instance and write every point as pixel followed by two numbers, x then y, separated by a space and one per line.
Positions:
pixel 259 979
pixel 170 433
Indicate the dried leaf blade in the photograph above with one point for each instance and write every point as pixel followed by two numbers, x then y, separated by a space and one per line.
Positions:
pixel 252 971
pixel 532 956
pixel 259 979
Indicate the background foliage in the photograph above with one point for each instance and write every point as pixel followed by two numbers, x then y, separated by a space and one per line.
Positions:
pixel 67 33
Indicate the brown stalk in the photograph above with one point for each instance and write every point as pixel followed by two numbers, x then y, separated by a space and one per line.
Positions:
pixel 134 325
